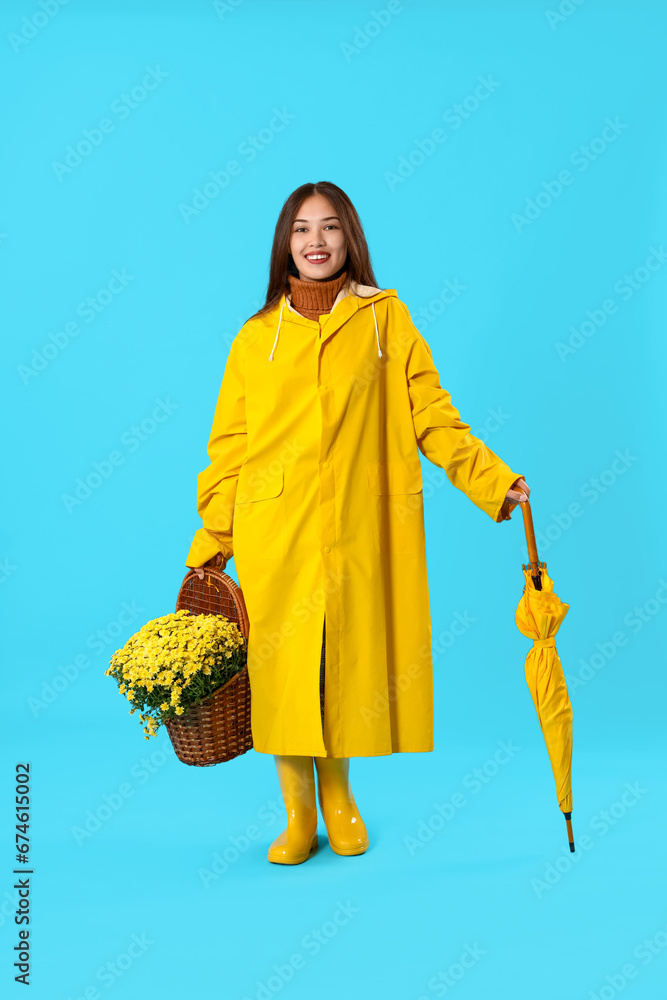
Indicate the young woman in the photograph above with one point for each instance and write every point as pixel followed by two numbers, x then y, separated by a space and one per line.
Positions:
pixel 315 487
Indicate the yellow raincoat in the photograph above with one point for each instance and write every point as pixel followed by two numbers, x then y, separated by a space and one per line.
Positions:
pixel 315 487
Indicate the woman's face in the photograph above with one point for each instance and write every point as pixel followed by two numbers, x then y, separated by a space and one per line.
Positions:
pixel 317 243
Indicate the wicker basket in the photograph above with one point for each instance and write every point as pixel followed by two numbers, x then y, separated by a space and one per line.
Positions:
pixel 217 728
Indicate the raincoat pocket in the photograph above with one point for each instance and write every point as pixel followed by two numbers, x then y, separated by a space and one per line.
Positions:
pixel 260 523
pixel 398 510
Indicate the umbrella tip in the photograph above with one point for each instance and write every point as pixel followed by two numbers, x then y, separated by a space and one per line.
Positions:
pixel 568 820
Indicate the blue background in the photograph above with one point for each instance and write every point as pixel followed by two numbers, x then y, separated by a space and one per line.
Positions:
pixel 497 877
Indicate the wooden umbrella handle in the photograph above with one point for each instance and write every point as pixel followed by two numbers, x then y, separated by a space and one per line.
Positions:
pixel 530 540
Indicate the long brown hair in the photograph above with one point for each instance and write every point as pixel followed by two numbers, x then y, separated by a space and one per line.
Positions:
pixel 358 260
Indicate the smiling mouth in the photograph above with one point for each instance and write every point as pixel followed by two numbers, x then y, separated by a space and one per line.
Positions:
pixel 317 258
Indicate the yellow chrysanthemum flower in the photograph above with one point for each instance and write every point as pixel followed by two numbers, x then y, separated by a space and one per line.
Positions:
pixel 166 656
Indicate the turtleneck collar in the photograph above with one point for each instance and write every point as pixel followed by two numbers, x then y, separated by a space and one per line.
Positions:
pixel 312 298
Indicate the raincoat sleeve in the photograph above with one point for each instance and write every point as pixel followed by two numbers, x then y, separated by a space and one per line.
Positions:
pixel 216 485
pixel 445 439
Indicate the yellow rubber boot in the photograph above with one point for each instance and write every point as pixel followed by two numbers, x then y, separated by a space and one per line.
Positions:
pixel 346 829
pixel 297 784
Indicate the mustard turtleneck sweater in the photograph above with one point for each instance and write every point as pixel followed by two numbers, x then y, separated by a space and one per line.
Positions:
pixel 312 298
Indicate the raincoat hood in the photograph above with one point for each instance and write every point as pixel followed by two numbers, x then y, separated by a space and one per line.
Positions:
pixel 362 295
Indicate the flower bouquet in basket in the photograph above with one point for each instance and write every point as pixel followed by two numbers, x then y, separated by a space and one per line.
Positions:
pixel 188 671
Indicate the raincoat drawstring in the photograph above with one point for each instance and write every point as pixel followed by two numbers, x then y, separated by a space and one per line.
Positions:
pixel 277 332
pixel 377 335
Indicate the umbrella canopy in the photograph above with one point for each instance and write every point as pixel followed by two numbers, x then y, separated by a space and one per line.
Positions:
pixel 538 616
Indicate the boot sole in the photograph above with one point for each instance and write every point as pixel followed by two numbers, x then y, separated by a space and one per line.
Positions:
pixel 348 853
pixel 297 860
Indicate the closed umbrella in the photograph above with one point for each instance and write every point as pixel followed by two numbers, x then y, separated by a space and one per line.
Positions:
pixel 539 616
